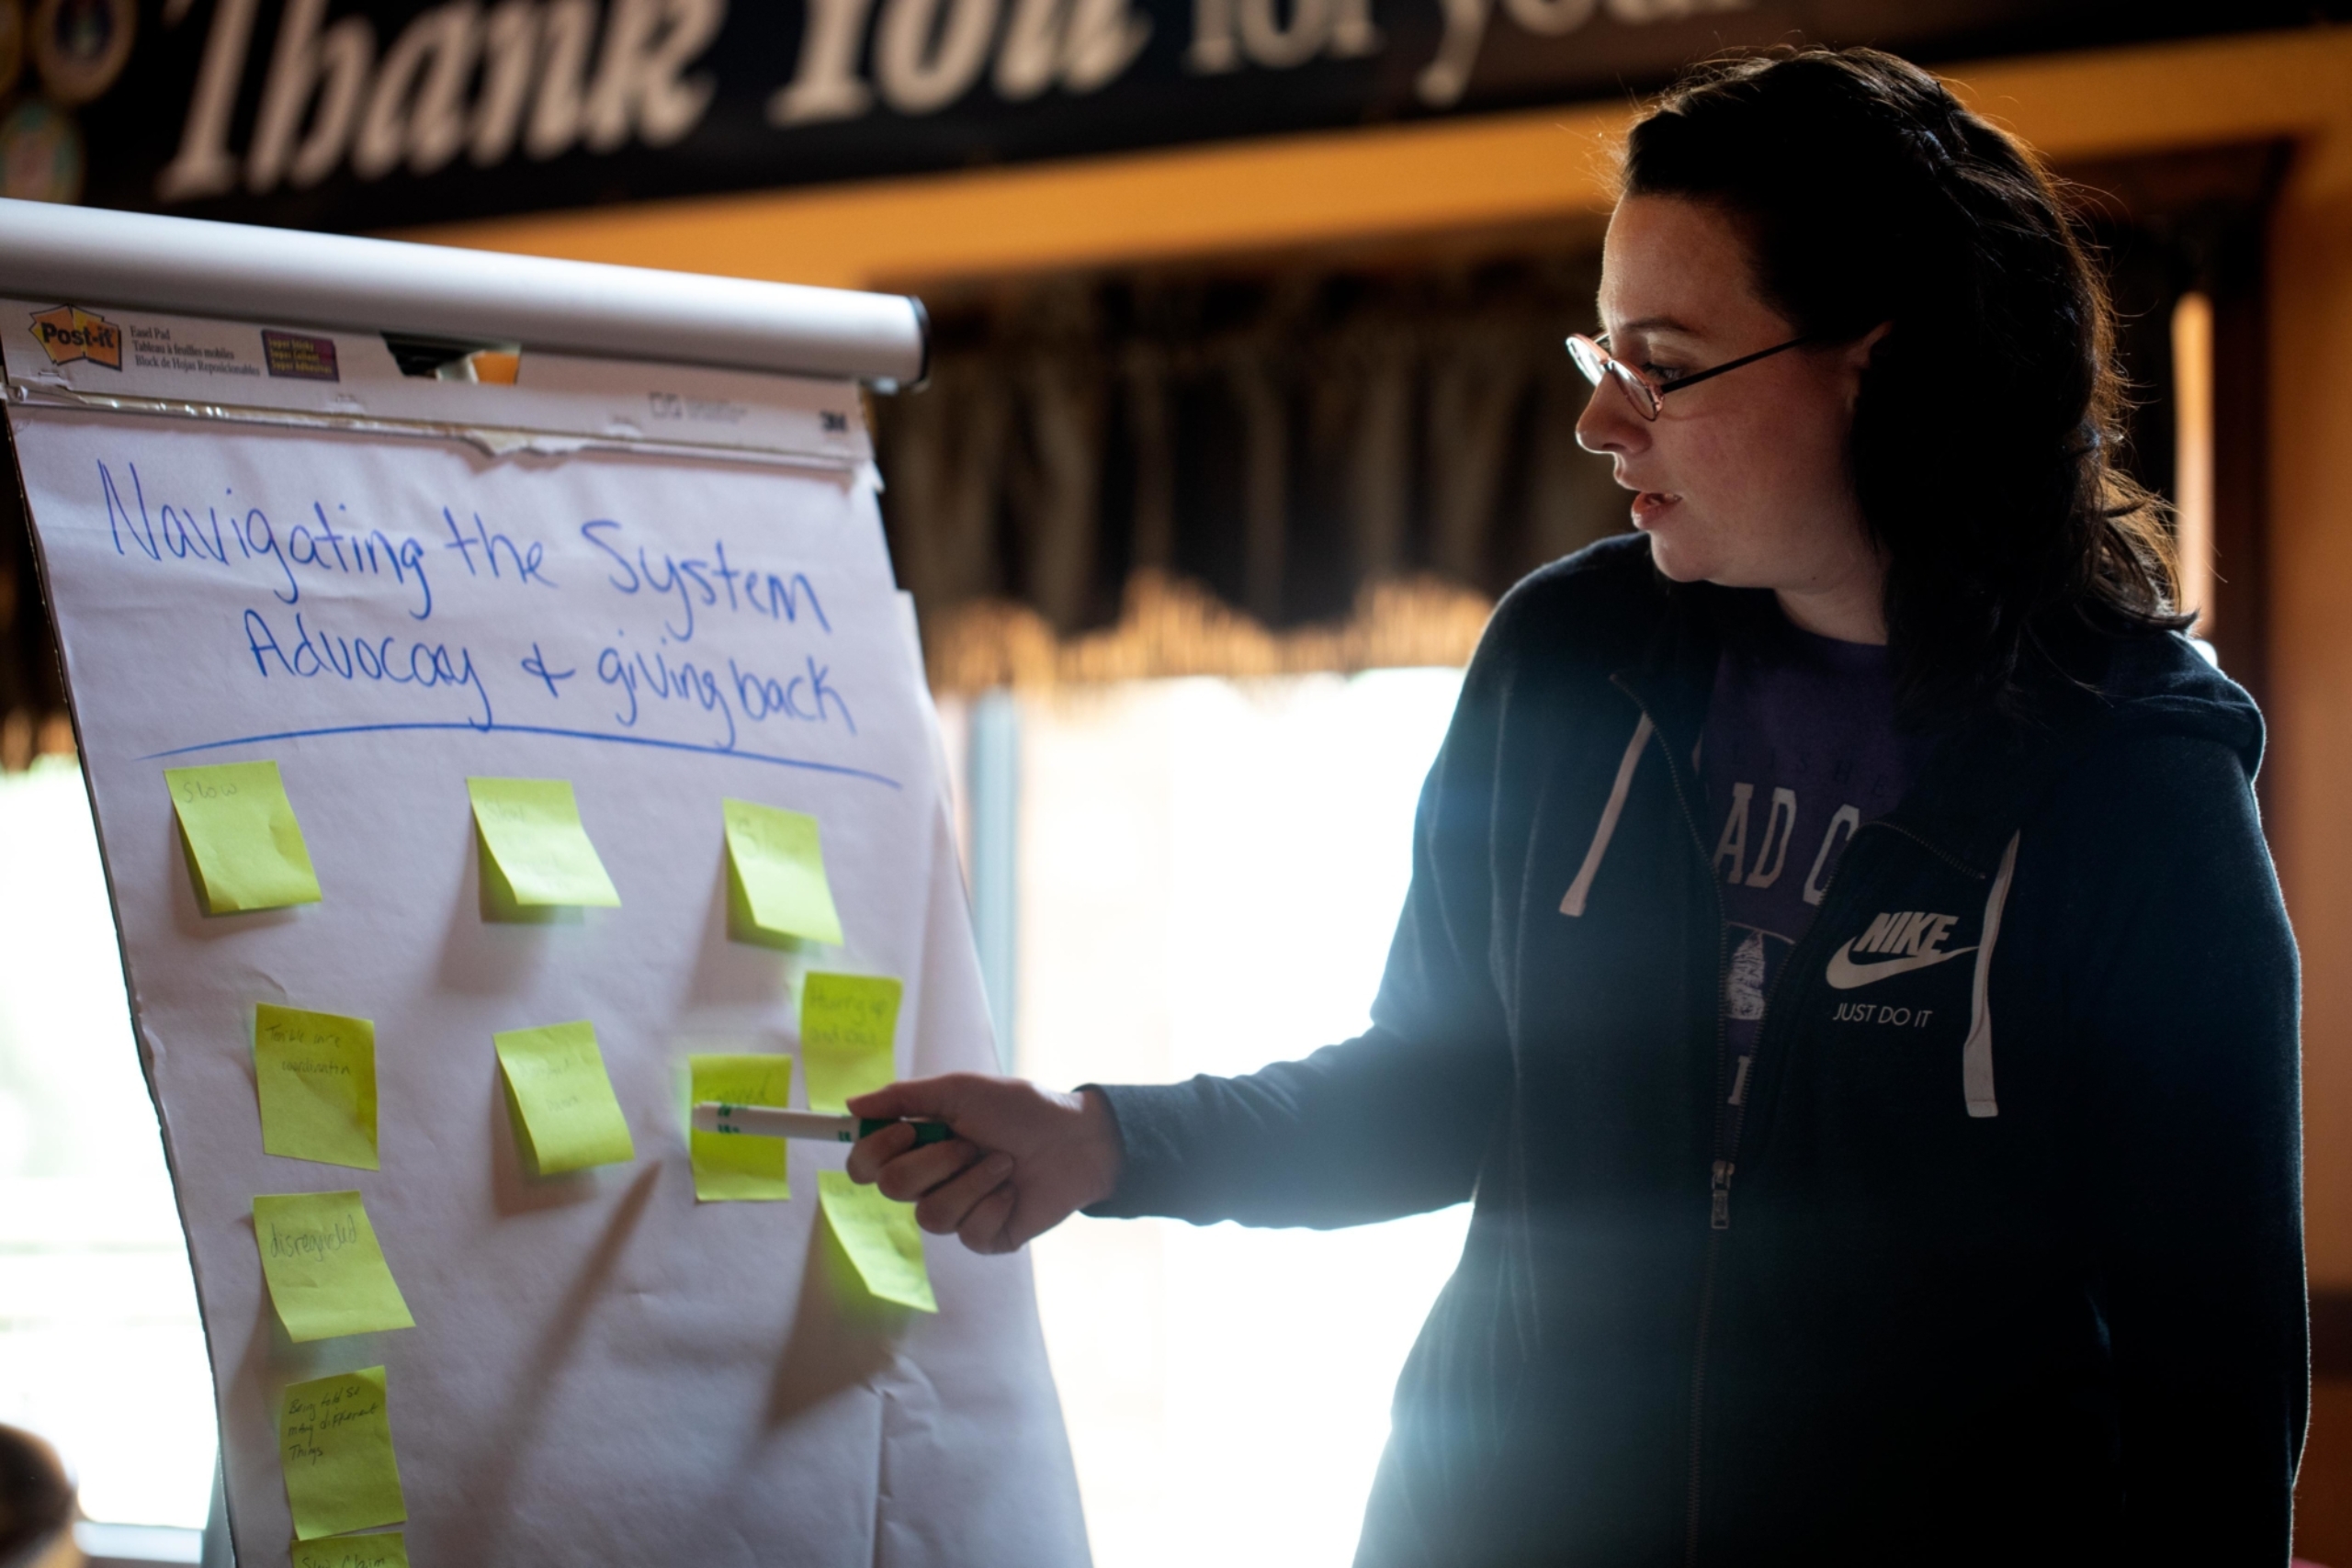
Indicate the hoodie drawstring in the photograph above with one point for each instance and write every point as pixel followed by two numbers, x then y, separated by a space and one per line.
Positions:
pixel 1574 903
pixel 1976 1056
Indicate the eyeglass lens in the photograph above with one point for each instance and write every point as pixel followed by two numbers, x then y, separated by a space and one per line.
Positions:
pixel 1596 362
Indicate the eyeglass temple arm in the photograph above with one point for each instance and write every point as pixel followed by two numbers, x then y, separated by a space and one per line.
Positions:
pixel 1715 370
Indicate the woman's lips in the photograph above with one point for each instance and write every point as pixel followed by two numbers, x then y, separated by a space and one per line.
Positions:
pixel 1651 505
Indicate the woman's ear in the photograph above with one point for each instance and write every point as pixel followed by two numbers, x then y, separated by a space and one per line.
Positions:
pixel 1857 354
pixel 1857 359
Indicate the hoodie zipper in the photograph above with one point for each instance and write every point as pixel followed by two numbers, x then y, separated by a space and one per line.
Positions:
pixel 1720 1172
pixel 1731 1119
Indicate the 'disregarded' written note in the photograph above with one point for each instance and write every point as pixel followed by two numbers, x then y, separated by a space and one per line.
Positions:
pixel 776 891
pixel 881 1237
pixel 334 1444
pixel 848 1026
pixel 566 1116
pixel 536 858
pixel 316 1075
pixel 730 1166
pixel 386 1550
pixel 326 1270
pixel 244 849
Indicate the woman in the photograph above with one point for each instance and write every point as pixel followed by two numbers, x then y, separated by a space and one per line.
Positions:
pixel 1842 960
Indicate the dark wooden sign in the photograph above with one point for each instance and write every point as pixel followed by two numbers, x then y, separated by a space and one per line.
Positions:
pixel 368 114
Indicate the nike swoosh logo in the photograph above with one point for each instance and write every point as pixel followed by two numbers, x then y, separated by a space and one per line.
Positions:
pixel 1844 974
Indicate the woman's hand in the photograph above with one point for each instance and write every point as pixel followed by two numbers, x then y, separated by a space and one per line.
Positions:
pixel 1023 1158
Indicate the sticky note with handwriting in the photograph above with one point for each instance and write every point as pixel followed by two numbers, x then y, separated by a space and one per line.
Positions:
pixel 566 1116
pixel 385 1549
pixel 243 846
pixel 730 1166
pixel 536 857
pixel 777 890
pixel 316 1075
pixel 848 1024
pixel 326 1269
pixel 334 1444
pixel 881 1237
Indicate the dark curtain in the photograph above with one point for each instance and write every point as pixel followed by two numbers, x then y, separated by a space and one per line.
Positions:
pixel 1283 439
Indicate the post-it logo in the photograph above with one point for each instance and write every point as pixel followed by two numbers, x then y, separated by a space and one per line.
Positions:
pixel 69 332
pixel 300 356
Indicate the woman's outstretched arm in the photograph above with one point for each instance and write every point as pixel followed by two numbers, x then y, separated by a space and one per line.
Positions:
pixel 1393 1121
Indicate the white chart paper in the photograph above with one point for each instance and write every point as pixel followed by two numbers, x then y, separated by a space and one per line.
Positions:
pixel 602 1369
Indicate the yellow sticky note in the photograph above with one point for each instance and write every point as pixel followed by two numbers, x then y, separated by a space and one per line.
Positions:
pixel 565 1112
pixel 326 1269
pixel 776 876
pixel 316 1075
pixel 244 845
pixel 731 1165
pixel 535 856
pixel 847 1025
pixel 385 1549
pixel 881 1239
pixel 334 1444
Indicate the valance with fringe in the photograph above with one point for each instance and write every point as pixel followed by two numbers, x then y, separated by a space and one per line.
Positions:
pixel 1155 474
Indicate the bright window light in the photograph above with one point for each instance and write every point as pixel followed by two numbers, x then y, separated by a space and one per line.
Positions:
pixel 1211 872
pixel 100 1349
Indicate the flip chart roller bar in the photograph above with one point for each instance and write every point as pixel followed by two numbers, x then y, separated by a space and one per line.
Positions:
pixel 139 261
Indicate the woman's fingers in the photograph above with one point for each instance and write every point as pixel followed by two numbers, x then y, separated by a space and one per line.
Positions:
pixel 901 1098
pixel 871 1153
pixel 986 1229
pixel 1064 1147
pixel 946 1207
pixel 911 1177
pixel 948 1098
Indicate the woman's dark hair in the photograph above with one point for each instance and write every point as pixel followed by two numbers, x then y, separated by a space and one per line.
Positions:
pixel 1986 435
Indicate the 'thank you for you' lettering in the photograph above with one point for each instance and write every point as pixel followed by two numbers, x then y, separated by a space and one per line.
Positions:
pixel 444 615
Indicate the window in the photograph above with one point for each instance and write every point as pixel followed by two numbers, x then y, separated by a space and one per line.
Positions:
pixel 100 1347
pixel 1209 874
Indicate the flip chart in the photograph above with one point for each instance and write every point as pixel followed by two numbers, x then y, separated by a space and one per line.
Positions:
pixel 326 1270
pixel 848 1025
pixel 242 842
pixel 729 1167
pixel 662 588
pixel 881 1239
pixel 335 1445
pixel 565 1112
pixel 776 869
pixel 316 1074
pixel 535 854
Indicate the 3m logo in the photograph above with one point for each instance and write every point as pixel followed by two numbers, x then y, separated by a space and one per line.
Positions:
pixel 69 332
pixel 1913 938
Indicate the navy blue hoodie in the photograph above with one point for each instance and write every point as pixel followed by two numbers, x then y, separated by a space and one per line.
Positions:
pixel 2000 1259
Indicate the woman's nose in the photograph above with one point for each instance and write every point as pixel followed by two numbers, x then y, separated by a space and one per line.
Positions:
pixel 1609 424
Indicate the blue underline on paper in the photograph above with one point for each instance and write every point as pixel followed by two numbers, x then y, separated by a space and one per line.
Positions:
pixel 531 730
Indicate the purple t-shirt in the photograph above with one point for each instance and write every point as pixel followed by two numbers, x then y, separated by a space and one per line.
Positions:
pixel 1800 748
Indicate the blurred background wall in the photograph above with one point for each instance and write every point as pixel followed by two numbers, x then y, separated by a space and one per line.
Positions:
pixel 1246 401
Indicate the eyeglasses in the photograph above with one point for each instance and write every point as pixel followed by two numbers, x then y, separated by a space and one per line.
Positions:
pixel 1592 357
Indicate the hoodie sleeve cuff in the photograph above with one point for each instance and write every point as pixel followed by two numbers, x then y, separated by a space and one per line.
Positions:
pixel 1150 1121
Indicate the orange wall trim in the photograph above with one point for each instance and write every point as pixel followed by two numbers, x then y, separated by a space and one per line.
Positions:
pixel 1427 178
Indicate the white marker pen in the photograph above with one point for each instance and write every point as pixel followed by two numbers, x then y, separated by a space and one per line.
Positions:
pixel 774 1121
